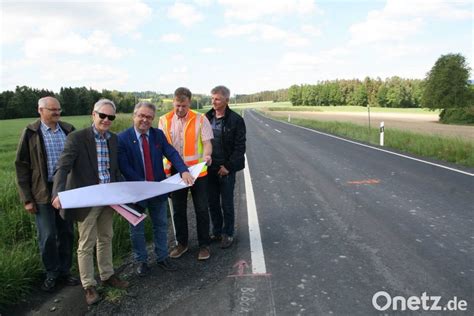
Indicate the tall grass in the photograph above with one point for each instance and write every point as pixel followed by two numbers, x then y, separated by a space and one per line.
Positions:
pixel 448 149
pixel 20 265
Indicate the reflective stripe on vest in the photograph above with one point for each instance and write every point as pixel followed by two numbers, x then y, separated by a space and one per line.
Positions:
pixel 192 145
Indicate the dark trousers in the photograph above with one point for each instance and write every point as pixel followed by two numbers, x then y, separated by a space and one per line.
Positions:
pixel 180 204
pixel 55 238
pixel 221 202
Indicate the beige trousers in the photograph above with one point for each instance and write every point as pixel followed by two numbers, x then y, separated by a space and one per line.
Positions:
pixel 95 230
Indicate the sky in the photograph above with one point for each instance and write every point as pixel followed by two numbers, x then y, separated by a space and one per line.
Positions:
pixel 247 45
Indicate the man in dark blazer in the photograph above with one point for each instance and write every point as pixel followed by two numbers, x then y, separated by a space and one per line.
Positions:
pixel 141 151
pixel 90 157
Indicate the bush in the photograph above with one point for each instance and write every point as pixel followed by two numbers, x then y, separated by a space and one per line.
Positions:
pixel 457 115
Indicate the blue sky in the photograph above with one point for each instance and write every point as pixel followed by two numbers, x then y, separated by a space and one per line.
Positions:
pixel 248 45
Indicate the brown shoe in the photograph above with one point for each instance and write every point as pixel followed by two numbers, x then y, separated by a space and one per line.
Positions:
pixel 204 253
pixel 92 296
pixel 114 281
pixel 178 251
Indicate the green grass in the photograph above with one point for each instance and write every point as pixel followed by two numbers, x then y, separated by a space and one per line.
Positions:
pixel 351 109
pixel 20 264
pixel 448 149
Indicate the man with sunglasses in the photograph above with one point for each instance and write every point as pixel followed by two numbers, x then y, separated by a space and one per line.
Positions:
pixel 141 152
pixel 90 157
pixel 40 146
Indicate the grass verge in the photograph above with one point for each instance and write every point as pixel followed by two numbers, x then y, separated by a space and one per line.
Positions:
pixel 453 150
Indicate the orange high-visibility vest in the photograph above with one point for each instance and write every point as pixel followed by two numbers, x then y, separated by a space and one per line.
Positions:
pixel 193 148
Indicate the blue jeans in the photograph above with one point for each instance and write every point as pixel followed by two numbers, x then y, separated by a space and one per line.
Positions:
pixel 157 210
pixel 55 238
pixel 221 202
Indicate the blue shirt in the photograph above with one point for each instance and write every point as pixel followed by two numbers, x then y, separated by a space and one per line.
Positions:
pixel 103 160
pixel 54 145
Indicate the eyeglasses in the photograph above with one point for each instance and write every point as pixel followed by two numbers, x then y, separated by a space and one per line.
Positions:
pixel 103 116
pixel 54 110
pixel 143 116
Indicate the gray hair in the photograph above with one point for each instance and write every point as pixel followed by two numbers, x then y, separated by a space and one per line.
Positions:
pixel 43 102
pixel 99 104
pixel 223 90
pixel 146 104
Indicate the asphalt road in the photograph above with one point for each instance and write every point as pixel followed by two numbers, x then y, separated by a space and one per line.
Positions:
pixel 339 222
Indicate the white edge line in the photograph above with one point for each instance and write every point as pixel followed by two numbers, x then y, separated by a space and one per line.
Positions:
pixel 256 248
pixel 379 149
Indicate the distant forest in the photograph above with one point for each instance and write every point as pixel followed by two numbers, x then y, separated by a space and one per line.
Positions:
pixel 392 92
pixel 23 102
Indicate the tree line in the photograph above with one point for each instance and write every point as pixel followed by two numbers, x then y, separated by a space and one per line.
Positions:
pixel 394 92
pixel 23 102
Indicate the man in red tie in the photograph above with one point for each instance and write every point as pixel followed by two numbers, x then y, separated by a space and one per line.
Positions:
pixel 141 151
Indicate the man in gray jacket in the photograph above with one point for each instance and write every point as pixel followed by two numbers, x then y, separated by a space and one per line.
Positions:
pixel 40 146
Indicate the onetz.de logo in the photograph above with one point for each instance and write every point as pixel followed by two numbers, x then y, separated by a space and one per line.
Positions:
pixel 383 301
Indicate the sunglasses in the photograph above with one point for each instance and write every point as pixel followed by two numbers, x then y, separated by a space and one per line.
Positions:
pixel 103 116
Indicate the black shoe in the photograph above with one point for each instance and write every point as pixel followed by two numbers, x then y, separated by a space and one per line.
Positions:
pixel 142 269
pixel 215 238
pixel 226 241
pixel 49 285
pixel 167 265
pixel 69 280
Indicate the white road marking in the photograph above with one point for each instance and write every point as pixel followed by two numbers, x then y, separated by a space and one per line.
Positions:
pixel 379 149
pixel 277 130
pixel 256 248
pixel 267 125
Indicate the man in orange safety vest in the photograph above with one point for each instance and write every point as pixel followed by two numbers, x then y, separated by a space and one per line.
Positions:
pixel 190 133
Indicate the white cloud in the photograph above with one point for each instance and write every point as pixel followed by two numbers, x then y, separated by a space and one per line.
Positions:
pixel 253 10
pixel 23 20
pixel 211 50
pixel 307 62
pixel 311 30
pixel 203 3
pixel 263 32
pixel 55 74
pixel 402 19
pixel 171 38
pixel 98 43
pixel 185 14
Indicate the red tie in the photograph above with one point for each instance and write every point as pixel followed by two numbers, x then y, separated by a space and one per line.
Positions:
pixel 147 157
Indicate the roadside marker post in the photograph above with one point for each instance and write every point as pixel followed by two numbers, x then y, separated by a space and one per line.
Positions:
pixel 289 118
pixel 382 130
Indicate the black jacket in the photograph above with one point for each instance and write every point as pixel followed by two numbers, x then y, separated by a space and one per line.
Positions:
pixel 233 139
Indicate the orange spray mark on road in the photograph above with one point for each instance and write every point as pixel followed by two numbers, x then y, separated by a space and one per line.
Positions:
pixel 368 181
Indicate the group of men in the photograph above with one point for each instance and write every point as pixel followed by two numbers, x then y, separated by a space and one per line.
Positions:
pixel 52 157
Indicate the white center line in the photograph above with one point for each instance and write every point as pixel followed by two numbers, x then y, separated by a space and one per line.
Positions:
pixel 277 130
pixel 256 248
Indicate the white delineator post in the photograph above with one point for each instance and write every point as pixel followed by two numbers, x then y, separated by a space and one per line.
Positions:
pixel 289 118
pixel 382 129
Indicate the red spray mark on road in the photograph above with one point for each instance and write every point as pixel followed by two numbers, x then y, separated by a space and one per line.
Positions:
pixel 240 267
